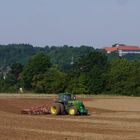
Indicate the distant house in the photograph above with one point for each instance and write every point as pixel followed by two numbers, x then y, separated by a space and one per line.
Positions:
pixel 123 49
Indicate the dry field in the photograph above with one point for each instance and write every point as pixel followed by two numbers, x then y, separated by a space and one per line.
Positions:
pixel 111 118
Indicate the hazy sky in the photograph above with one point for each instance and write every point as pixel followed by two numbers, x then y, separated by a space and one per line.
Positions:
pixel 74 22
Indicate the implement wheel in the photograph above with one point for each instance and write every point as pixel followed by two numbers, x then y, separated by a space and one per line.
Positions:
pixel 55 109
pixel 73 111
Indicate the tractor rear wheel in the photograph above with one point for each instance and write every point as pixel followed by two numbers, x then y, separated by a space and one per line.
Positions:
pixel 55 109
pixel 62 108
pixel 73 111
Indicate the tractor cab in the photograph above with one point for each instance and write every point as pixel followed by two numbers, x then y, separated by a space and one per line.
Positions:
pixel 65 97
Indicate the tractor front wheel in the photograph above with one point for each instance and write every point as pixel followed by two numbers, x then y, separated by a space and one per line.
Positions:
pixel 73 111
pixel 55 109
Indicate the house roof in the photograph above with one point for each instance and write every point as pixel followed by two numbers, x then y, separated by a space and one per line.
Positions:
pixel 122 47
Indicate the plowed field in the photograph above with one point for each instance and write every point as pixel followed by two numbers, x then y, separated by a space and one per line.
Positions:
pixel 110 118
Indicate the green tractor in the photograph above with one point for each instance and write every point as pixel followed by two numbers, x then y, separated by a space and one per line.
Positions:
pixel 67 104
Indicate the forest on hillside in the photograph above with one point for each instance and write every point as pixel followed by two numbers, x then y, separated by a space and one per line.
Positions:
pixel 60 55
pixel 79 70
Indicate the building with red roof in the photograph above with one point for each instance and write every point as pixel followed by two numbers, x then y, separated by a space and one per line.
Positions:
pixel 123 49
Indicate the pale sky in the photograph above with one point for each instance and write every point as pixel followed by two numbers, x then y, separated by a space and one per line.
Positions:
pixel 96 23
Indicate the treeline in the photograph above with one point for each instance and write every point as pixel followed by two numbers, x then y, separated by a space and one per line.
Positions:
pixel 90 73
pixel 63 56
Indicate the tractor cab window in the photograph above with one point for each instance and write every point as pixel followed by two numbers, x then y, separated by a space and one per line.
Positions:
pixel 67 97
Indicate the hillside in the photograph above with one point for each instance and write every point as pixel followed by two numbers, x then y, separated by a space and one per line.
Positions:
pixel 63 56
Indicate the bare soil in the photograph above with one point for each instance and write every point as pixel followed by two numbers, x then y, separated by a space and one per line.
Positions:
pixel 110 118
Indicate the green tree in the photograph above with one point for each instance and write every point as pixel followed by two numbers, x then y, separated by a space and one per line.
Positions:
pixel 77 85
pixel 10 81
pixel 16 70
pixel 93 67
pixel 124 77
pixel 53 81
pixel 37 65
